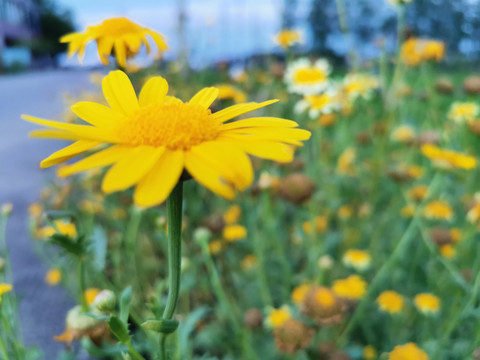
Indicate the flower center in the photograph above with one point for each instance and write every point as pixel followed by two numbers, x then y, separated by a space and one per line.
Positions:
pixel 174 125
pixel 309 75
pixel 319 101
pixel 118 26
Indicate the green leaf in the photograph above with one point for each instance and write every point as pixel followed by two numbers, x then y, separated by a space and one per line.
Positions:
pixel 68 245
pixel 97 317
pixel 59 214
pixel 125 300
pixel 119 329
pixel 98 248
pixel 188 325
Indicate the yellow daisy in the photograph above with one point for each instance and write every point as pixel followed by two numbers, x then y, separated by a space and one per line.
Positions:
pixel 4 288
pixel 357 85
pixel 448 159
pixel 438 210
pixel 408 351
pixel 351 288
pixel 53 277
pixel 390 302
pixel 307 78
pixel 120 35
pixel 278 317
pixel 463 111
pixel 357 259
pixel 155 138
pixel 427 303
pixel 287 38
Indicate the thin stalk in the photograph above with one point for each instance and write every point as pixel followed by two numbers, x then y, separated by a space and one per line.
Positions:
pixel 3 349
pixel 81 284
pixel 135 354
pixel 342 19
pixel 174 220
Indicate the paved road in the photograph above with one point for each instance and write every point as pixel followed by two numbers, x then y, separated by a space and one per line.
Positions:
pixel 42 308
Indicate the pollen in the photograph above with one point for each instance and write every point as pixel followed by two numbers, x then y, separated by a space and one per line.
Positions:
pixel 177 126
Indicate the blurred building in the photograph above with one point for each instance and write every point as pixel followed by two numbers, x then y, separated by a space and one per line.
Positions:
pixel 19 22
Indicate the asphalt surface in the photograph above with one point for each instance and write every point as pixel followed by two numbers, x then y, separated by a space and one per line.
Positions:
pixel 42 308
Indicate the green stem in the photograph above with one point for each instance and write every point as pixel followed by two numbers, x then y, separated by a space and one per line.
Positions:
pixel 3 349
pixel 131 244
pixel 174 220
pixel 342 19
pixel 135 354
pixel 81 284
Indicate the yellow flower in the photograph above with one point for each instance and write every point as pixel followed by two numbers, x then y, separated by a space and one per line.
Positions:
pixel 390 302
pixel 4 288
pixel 439 210
pixel 60 227
pixel 248 262
pixel 407 211
pixel 300 292
pixel 463 111
pixel 417 192
pixel 53 277
pixel 229 92
pixel 448 251
pixel 118 35
pixel 320 225
pixel 427 303
pixel 326 120
pixel 358 259
pixel 318 104
pixel 357 85
pixel 351 288
pixel 277 317
pixel 456 235
pixel 92 207
pixel 408 351
pixel 35 210
pixel 155 138
pixel 345 212
pixel 90 294
pixel 473 214
pixel 215 246
pixel 232 215
pixel 307 78
pixel 404 134
pixel 345 162
pixel 287 38
pixel 233 233
pixel 369 353
pixel 414 172
pixel 415 51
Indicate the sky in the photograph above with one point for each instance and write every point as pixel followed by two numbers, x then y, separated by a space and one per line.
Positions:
pixel 216 28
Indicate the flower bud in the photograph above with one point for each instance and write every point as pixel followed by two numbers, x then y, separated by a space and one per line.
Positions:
pixel 253 318
pixel 444 86
pixel 201 235
pixel 7 209
pixel 105 301
pixel 471 85
pixel 297 188
pixel 293 336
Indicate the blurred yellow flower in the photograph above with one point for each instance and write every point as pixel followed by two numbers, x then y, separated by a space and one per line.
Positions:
pixel 463 111
pixel 35 210
pixel 53 277
pixel 233 233
pixel 60 227
pixel 156 137
pixel 390 301
pixel 232 215
pixel 447 251
pixel 287 38
pixel 438 210
pixel 407 211
pixel 369 353
pixel 248 262
pixel 229 92
pixel 215 246
pixel 414 172
pixel 326 120
pixel 408 351
pixel 300 292
pixel 4 288
pixel 307 78
pixel 415 51
pixel 357 259
pixel 404 134
pixel 359 85
pixel 345 212
pixel 346 161
pixel 318 104
pixel 427 303
pixel 417 192
pixel 351 288
pixel 92 207
pixel 120 36
pixel 320 223
pixel 277 317
pixel 456 235
pixel 90 294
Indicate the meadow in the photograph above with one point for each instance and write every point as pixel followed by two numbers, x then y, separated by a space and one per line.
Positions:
pixel 351 236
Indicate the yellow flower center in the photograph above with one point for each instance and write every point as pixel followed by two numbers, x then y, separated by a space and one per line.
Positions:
pixel 319 101
pixel 117 27
pixel 309 75
pixel 325 297
pixel 174 125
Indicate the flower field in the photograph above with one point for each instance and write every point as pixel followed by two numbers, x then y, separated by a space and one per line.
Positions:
pixel 296 209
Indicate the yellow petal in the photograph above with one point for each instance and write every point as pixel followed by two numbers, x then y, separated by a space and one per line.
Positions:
pixel 159 40
pixel 259 122
pixel 102 158
pixel 68 152
pixel 119 92
pixel 79 132
pixel 154 188
pixel 285 135
pixel 154 91
pixel 96 114
pixel 205 97
pixel 234 164
pixel 268 150
pixel 105 46
pixel 53 134
pixel 236 110
pixel 131 168
pixel 120 53
pixel 203 171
